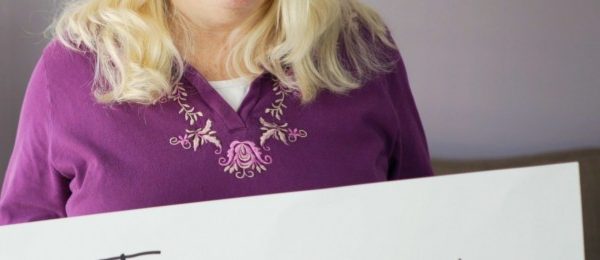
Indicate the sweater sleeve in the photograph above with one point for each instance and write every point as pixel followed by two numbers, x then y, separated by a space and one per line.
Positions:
pixel 410 154
pixel 32 189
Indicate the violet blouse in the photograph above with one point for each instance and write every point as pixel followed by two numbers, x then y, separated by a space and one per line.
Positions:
pixel 73 156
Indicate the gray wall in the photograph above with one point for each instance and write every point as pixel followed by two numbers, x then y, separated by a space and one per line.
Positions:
pixel 491 78
pixel 21 25
pixel 496 78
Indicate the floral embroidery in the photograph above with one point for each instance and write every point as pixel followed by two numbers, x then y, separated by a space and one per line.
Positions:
pixel 293 134
pixel 244 156
pixel 179 94
pixel 279 133
pixel 276 109
pixel 183 140
pixel 200 136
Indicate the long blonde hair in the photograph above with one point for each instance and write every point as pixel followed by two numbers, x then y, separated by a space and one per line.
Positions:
pixel 141 46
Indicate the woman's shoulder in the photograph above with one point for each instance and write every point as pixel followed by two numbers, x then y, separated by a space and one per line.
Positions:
pixel 62 61
pixel 66 69
pixel 58 51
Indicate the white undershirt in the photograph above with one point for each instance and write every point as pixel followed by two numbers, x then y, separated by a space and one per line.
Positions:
pixel 232 90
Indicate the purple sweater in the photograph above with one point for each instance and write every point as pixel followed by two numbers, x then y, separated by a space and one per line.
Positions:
pixel 74 157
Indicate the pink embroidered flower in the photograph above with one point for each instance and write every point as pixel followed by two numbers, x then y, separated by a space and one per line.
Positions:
pixel 244 158
pixel 293 134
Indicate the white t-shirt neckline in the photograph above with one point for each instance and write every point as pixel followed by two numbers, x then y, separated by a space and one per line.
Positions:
pixel 236 82
pixel 233 91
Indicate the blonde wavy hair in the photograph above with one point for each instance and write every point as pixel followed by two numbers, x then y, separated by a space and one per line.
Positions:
pixel 141 46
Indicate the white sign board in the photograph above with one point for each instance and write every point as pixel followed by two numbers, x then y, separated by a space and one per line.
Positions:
pixel 522 213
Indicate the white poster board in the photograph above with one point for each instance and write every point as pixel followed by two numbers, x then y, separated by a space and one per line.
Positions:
pixel 522 213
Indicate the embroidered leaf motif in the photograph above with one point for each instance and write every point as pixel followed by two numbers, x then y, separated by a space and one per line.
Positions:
pixel 196 142
pixel 213 140
pixel 206 128
pixel 272 130
pixel 281 91
pixel 179 95
pixel 282 136
pixel 265 123
pixel 204 135
pixel 198 138
pixel 266 135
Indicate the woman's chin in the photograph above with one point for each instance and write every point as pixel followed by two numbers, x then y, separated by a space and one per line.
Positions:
pixel 239 4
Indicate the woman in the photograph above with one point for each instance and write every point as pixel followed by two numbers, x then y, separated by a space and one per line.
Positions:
pixel 142 103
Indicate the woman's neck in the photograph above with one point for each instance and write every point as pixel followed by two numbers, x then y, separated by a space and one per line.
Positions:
pixel 210 35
